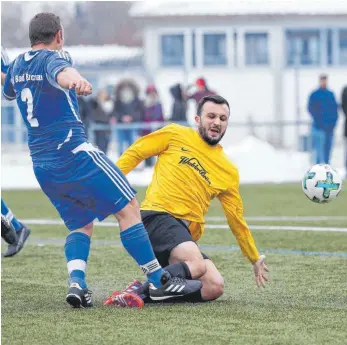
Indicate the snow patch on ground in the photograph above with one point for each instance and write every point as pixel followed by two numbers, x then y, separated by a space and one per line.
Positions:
pixel 257 161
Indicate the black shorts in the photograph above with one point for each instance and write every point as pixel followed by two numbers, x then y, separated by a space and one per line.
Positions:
pixel 165 233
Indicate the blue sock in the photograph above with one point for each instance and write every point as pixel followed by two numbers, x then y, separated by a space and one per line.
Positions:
pixel 136 242
pixel 17 225
pixel 77 247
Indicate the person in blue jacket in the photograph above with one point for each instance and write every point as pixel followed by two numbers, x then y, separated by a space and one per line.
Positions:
pixel 322 106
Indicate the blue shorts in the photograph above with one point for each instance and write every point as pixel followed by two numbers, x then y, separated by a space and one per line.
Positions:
pixel 87 187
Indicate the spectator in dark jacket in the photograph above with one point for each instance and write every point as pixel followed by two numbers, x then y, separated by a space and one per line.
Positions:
pixel 179 106
pixel 84 110
pixel 323 108
pixel 101 109
pixel 153 113
pixel 153 107
pixel 128 109
pixel 344 108
pixel 202 91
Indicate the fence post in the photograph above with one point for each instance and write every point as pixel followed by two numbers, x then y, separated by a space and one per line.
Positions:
pixel 251 127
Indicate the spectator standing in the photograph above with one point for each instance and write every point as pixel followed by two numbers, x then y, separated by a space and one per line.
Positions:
pixel 101 109
pixel 153 113
pixel 202 91
pixel 128 109
pixel 323 108
pixel 179 110
pixel 84 110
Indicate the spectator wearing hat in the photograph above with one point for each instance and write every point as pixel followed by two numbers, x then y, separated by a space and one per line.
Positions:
pixel 202 90
pixel 322 106
pixel 128 109
pixel 153 113
pixel 179 109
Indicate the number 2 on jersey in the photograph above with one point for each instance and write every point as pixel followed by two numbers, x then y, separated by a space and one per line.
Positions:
pixel 27 97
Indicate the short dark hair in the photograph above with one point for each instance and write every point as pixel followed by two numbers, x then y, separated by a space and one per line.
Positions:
pixel 215 99
pixel 323 77
pixel 43 28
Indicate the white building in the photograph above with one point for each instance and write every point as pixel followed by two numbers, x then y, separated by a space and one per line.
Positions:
pixel 263 56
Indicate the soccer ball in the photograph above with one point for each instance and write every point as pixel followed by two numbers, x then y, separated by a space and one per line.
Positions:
pixel 322 183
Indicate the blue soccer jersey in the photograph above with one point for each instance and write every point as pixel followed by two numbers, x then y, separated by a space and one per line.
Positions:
pixel 5 61
pixel 50 112
pixel 78 178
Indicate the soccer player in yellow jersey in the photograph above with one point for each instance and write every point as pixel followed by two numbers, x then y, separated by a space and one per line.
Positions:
pixel 191 170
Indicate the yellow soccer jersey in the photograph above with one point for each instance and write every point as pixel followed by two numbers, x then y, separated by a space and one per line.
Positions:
pixel 188 174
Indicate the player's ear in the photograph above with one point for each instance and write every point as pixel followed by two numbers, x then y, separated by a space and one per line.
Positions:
pixel 197 119
pixel 60 36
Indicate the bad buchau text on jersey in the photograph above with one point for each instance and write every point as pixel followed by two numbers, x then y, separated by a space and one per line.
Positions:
pixel 26 77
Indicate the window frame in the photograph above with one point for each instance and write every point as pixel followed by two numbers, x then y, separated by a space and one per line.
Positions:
pixel 268 55
pixel 187 34
pixel 205 56
pixel 162 56
pixel 338 46
pixel 322 48
pixel 199 48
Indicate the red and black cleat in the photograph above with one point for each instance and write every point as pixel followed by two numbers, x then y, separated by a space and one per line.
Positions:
pixel 130 297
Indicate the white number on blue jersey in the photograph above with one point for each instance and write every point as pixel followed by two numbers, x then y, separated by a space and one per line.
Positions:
pixel 27 97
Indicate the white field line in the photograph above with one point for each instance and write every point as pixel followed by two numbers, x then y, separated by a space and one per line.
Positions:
pixel 281 227
pixel 282 218
pixel 207 226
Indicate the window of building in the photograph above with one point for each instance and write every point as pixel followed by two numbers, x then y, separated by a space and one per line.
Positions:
pixel 303 47
pixel 343 46
pixel 172 50
pixel 215 49
pixel 256 49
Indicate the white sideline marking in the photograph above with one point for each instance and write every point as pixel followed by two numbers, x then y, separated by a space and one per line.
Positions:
pixel 280 227
pixel 283 218
pixel 207 226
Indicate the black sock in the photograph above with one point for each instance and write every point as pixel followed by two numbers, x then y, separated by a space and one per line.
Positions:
pixel 194 297
pixel 180 270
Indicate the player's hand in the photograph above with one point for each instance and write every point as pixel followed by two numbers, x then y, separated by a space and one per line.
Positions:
pixel 260 268
pixel 82 87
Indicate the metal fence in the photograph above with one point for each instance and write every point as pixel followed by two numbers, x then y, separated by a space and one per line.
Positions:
pixel 291 135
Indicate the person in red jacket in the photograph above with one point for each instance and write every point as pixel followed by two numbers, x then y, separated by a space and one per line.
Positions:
pixel 202 90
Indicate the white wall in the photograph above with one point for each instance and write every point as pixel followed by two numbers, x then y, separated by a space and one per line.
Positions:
pixel 265 93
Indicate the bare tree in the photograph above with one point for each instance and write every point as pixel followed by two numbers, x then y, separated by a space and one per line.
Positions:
pixel 89 22
pixel 103 22
pixel 12 31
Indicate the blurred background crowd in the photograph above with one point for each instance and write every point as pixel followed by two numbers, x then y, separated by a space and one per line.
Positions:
pixel 123 105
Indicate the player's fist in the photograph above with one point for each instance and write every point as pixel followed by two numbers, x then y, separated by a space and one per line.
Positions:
pixel 259 269
pixel 82 87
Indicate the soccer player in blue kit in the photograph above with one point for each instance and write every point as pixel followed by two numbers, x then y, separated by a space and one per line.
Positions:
pixel 78 178
pixel 14 232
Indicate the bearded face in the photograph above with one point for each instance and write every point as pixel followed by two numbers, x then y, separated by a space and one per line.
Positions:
pixel 213 122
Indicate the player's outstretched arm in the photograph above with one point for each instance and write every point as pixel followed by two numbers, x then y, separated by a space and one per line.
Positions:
pixel 147 146
pixel 3 77
pixel 232 204
pixel 69 78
